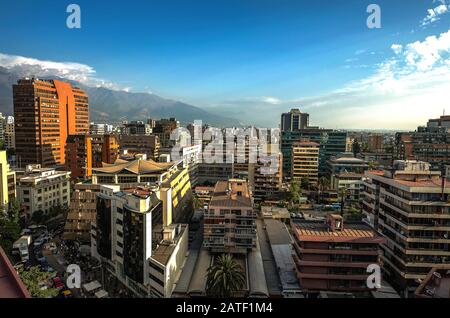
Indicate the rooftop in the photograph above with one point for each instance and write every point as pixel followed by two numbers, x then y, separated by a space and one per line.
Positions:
pixel 314 230
pixel 231 193
pixel 135 167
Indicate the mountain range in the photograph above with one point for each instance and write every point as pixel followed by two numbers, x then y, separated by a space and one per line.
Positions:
pixel 110 106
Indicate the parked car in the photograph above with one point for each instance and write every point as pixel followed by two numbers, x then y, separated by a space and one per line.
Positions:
pixel 38 242
pixel 67 293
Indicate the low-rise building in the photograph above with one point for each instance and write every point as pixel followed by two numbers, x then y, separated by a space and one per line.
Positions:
pixel 40 189
pixel 333 256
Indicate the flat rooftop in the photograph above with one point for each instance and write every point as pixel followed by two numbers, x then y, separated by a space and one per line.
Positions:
pixel 320 229
pixel 277 232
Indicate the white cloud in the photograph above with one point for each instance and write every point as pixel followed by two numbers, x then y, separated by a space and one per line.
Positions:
pixel 406 89
pixel 434 14
pixel 271 100
pixel 82 73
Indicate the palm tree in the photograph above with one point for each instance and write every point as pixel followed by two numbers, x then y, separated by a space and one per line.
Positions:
pixel 342 194
pixel 225 277
pixel 324 184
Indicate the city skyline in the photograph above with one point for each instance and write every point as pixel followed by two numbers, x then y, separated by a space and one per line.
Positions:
pixel 250 60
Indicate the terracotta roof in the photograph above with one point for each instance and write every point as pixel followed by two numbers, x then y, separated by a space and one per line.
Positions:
pixel 320 229
pixel 137 167
pixel 11 285
pixel 224 197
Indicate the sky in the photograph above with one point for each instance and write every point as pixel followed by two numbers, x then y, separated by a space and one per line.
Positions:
pixel 249 59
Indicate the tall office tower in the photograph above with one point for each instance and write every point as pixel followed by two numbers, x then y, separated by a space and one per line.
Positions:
pixel 305 161
pixel 46 112
pixel 79 156
pixel 409 206
pixel 294 120
pixel 10 139
pixel 230 221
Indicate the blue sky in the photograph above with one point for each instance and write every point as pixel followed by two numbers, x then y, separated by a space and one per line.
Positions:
pixel 247 59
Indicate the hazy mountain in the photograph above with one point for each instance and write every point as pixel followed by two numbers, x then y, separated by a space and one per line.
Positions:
pixel 108 105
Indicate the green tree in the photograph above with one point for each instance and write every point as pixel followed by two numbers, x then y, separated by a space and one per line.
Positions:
pixel 34 279
pixel 38 216
pixel 9 229
pixel 304 183
pixel 324 184
pixel 295 192
pixel 225 277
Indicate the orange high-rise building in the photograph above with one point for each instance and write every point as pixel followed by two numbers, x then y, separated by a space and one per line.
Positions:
pixel 46 112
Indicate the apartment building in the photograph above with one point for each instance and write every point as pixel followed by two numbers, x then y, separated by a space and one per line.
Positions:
pixel 10 136
pixel 82 211
pixel 331 143
pixel 40 189
pixel 265 176
pixel 409 205
pixel 230 220
pixel 430 143
pixel 7 181
pixel 144 253
pixel 79 156
pixel 105 149
pixel 333 256
pixel 136 128
pixel 347 172
pixel 305 161
pixel 172 178
pixel 143 144
pixel 45 113
pixel 163 128
pixel 100 129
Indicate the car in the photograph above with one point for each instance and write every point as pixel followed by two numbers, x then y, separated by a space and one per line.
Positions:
pixel 38 242
pixel 56 280
pixel 66 293
pixel 25 232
